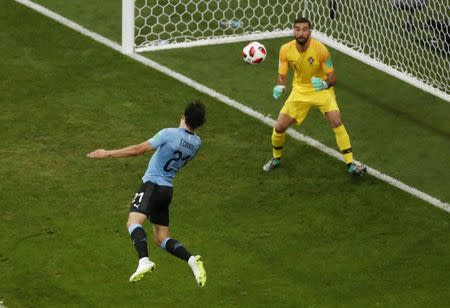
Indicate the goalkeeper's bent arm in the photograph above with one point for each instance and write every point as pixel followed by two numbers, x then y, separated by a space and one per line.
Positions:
pixel 331 79
pixel 320 84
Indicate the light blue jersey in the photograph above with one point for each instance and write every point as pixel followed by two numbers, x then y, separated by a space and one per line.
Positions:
pixel 174 148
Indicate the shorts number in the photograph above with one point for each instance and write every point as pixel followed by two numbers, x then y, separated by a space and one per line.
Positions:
pixel 140 195
pixel 177 156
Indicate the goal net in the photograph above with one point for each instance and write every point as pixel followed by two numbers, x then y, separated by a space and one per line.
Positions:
pixel 409 39
pixel 162 24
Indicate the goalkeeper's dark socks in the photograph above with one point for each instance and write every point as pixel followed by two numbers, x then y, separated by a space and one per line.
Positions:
pixel 175 248
pixel 139 239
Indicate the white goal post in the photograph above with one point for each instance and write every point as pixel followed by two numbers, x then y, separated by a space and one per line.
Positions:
pixel 409 39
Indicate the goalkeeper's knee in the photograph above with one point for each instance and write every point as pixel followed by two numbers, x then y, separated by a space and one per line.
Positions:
pixel 280 128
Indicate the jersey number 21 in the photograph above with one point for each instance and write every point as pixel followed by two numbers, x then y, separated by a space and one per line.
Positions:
pixel 177 156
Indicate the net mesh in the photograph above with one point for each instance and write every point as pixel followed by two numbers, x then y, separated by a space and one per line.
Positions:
pixel 169 21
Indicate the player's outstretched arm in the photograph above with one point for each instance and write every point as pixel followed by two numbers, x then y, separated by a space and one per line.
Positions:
pixel 132 150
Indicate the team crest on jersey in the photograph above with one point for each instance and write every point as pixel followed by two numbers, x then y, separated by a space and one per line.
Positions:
pixel 311 60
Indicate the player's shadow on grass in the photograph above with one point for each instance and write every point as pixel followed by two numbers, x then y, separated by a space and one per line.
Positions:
pixel 371 99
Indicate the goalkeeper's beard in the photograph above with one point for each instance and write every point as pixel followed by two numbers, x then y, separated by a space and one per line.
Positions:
pixel 302 40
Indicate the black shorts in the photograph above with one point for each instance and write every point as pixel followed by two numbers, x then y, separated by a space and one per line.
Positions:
pixel 153 200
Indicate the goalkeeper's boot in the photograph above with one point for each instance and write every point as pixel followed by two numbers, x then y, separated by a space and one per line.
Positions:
pixel 356 169
pixel 145 266
pixel 196 264
pixel 272 164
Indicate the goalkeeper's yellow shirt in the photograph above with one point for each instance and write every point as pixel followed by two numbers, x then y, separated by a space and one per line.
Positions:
pixel 315 61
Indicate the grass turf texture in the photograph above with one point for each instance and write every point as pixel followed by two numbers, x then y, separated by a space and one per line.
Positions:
pixel 306 235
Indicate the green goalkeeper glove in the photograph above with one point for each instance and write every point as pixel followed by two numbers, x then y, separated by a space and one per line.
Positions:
pixel 319 83
pixel 277 91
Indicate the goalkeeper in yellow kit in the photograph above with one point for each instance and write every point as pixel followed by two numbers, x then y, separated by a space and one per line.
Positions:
pixel 311 86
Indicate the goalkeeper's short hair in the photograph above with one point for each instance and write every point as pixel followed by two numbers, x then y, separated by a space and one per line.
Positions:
pixel 303 20
pixel 195 114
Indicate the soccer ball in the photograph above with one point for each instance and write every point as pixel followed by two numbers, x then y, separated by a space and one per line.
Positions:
pixel 254 53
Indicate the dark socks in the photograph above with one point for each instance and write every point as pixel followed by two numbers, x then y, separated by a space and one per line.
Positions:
pixel 175 248
pixel 139 239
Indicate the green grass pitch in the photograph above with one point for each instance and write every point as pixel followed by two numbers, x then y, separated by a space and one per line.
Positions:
pixel 306 235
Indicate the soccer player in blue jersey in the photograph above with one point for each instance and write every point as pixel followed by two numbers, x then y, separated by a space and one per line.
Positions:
pixel 174 148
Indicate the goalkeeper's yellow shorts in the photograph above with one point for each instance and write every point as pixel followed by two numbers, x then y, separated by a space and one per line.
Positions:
pixel 298 104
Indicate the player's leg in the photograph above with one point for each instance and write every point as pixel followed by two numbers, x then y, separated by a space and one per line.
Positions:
pixel 136 218
pixel 279 133
pixel 343 142
pixel 293 112
pixel 342 137
pixel 135 228
pixel 159 217
pixel 171 245
pixel 177 249
pixel 278 139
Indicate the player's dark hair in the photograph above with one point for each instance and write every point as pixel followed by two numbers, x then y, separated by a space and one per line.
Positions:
pixel 195 114
pixel 303 20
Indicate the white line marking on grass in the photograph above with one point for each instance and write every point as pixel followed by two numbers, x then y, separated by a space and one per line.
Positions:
pixel 230 102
